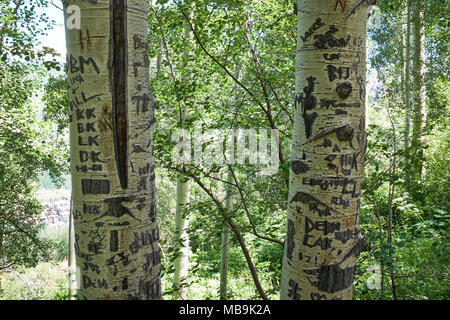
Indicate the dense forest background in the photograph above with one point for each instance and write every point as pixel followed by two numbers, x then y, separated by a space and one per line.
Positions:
pixel 236 70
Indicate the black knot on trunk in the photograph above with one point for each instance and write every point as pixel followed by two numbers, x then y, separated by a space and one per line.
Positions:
pixel 344 89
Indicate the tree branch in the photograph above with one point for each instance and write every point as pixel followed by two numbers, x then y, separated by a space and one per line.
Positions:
pixel 250 219
pixel 235 230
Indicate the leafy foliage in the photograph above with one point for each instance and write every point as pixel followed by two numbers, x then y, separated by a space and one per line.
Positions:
pixel 46 281
pixel 237 71
pixel 25 151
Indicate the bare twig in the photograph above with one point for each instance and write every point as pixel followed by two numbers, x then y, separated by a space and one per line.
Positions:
pixel 420 275
pixel 56 6
pixel 8 266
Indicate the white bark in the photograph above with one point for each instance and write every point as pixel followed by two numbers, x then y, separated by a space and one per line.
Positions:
pixel 419 93
pixel 407 93
pixel 181 264
pixel 111 138
pixel 323 236
pixel 225 247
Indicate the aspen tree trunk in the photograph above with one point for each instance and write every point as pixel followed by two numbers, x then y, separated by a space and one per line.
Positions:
pixel 323 236
pixel 72 258
pixel 407 94
pixel 111 139
pixel 226 228
pixel 419 93
pixel 181 264
pixel 1 242
pixel 225 243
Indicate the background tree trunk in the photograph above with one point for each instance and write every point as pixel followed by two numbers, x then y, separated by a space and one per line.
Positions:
pixel 323 235
pixel 181 264
pixel 407 95
pixel 1 244
pixel 225 248
pixel 419 93
pixel 111 139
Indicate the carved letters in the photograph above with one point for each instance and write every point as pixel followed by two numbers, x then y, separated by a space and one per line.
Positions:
pixel 326 160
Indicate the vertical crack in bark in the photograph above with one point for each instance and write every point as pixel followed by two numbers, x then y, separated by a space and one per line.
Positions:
pixel 119 88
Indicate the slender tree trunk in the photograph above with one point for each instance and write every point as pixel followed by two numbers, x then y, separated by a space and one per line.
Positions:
pixel 392 193
pixel 181 264
pixel 72 258
pixel 1 245
pixel 419 96
pixel 223 292
pixel 225 243
pixel 407 96
pixel 323 233
pixel 111 138
pixel 159 59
